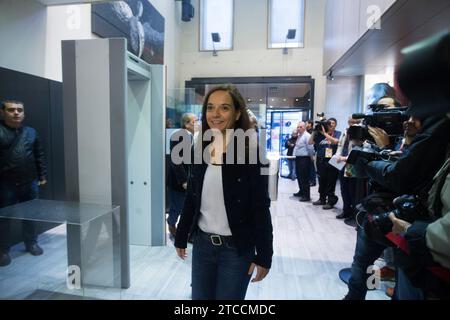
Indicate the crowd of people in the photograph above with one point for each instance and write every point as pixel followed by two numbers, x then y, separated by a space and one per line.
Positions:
pixel 396 187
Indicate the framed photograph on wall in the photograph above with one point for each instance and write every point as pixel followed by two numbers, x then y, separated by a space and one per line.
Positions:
pixel 136 20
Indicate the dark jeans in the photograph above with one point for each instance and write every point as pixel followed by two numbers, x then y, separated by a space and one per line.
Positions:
pixel 11 194
pixel 327 179
pixel 302 166
pixel 348 192
pixel 366 253
pixel 218 272
pixel 176 203
pixel 404 290
pixel 291 166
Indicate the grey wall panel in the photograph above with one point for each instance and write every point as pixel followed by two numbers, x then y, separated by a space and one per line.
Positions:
pixel 119 174
pixel 57 142
pixel 158 154
pixel 70 120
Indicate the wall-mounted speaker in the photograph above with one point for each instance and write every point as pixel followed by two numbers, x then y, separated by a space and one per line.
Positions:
pixel 187 10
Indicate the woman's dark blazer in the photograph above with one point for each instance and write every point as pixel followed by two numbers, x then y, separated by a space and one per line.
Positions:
pixel 247 206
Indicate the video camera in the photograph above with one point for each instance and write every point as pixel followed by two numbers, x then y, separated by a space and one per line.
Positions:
pixel 389 119
pixel 322 122
pixel 368 154
pixel 406 207
pixel 362 155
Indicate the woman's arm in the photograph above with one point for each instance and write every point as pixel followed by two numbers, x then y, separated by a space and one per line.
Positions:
pixel 186 217
pixel 260 206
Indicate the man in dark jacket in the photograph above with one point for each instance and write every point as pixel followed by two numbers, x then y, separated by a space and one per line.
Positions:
pixel 290 145
pixel 178 175
pixel 22 171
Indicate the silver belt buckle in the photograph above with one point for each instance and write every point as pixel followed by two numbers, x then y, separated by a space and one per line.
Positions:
pixel 216 240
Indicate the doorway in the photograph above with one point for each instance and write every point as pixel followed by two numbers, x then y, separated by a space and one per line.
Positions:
pixel 138 128
pixel 279 127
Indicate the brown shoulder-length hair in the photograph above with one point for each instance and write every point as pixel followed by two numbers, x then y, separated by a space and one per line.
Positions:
pixel 238 103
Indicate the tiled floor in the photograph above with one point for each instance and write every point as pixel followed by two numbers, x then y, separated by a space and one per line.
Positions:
pixel 310 246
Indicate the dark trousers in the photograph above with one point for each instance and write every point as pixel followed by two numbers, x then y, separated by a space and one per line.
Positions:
pixel 366 253
pixel 11 194
pixel 312 174
pixel 218 271
pixel 348 192
pixel 302 167
pixel 327 179
pixel 404 289
pixel 291 165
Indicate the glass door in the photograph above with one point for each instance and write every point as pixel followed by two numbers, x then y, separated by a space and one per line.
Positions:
pixel 280 125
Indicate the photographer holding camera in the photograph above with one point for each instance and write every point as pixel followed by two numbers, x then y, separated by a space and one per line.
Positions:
pixel 425 70
pixel 370 246
pixel 427 264
pixel 325 138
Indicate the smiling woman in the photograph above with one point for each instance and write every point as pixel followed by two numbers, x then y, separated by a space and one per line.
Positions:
pixel 220 112
pixel 222 109
pixel 226 211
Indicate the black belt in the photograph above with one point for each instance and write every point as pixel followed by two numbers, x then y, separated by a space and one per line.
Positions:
pixel 216 240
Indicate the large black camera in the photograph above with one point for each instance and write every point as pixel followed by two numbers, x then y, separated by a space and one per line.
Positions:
pixel 406 207
pixel 362 155
pixel 322 122
pixel 389 119
pixel 367 154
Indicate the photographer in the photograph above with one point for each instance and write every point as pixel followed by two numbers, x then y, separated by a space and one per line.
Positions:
pixel 426 265
pixel 429 244
pixel 410 128
pixel 414 170
pixel 348 183
pixel 325 139
pixel 410 174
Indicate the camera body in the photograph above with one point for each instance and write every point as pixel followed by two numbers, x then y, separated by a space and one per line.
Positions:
pixel 364 153
pixel 389 119
pixel 322 122
pixel 360 156
pixel 406 207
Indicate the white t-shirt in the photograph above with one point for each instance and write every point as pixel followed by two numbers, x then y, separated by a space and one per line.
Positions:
pixel 213 217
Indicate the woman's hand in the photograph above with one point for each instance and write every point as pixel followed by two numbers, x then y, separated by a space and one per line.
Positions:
pixel 380 136
pixel 182 253
pixel 400 226
pixel 261 272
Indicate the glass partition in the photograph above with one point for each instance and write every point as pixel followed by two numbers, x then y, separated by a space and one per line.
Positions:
pixel 82 256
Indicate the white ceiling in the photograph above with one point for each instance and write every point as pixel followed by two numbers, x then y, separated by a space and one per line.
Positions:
pixel 403 24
